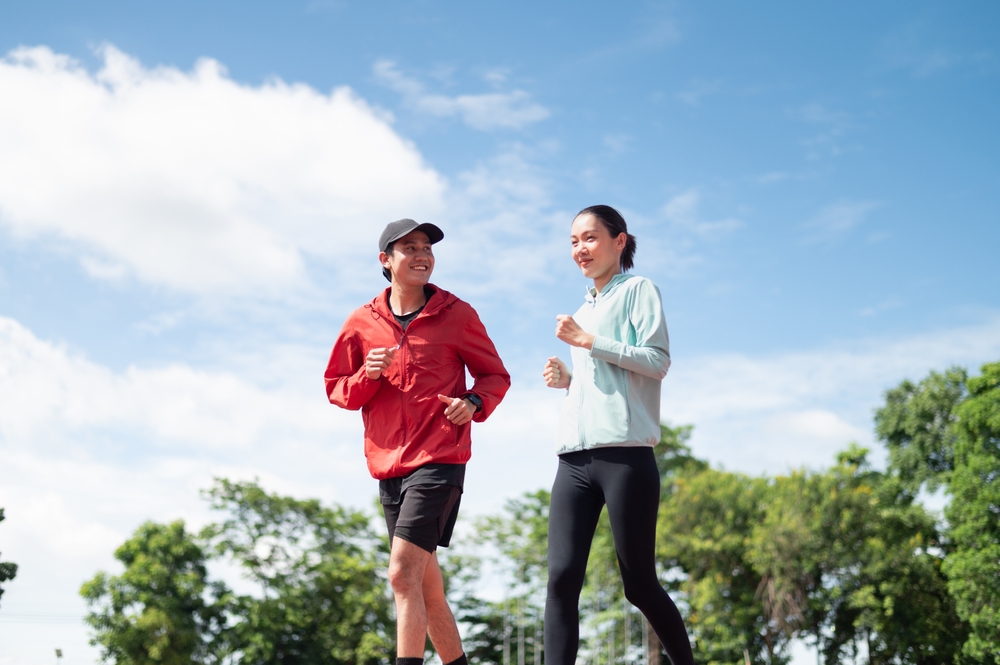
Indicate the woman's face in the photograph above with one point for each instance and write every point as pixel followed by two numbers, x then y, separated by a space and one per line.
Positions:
pixel 594 250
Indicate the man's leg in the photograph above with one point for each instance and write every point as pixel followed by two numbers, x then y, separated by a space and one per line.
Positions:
pixel 441 624
pixel 408 564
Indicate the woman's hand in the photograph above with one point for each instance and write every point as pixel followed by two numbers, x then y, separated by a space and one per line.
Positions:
pixel 569 331
pixel 556 374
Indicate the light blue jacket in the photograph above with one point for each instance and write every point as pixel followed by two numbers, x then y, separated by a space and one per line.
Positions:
pixel 614 395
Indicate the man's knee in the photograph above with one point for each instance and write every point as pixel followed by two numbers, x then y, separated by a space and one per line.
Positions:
pixel 406 571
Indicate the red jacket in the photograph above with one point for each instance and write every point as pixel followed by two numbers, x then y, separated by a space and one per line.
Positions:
pixel 405 425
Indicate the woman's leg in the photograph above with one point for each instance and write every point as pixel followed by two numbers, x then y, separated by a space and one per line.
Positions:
pixel 631 487
pixel 573 513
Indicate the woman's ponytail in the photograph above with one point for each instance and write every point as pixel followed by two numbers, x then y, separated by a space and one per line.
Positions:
pixel 615 224
pixel 628 253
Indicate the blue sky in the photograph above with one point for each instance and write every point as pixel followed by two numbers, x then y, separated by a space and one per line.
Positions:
pixel 190 195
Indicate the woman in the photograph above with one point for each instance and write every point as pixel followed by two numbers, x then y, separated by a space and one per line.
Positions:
pixel 610 422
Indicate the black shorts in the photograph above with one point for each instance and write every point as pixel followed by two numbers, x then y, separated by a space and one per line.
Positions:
pixel 425 515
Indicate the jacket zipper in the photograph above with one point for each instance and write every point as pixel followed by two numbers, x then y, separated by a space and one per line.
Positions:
pixel 588 362
pixel 402 382
pixel 402 379
pixel 402 396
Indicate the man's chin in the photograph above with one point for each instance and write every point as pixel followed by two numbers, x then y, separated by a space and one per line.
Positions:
pixel 417 280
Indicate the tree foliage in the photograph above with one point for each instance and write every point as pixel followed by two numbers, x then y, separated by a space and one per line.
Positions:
pixel 162 608
pixel 7 569
pixel 320 574
pixel 515 542
pixel 321 594
pixel 917 425
pixel 973 566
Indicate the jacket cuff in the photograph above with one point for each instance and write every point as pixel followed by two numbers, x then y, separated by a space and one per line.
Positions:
pixel 606 349
pixel 368 386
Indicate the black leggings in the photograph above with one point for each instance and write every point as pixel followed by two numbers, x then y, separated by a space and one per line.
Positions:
pixel 626 480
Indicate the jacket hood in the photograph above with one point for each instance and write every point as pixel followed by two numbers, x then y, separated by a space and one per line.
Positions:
pixel 609 288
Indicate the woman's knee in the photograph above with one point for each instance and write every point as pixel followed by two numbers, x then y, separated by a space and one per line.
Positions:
pixel 565 581
pixel 643 592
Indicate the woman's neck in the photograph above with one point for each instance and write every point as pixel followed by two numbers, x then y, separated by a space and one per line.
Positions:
pixel 603 280
pixel 405 299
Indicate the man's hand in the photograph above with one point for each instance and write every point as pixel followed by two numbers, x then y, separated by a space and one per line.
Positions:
pixel 569 331
pixel 459 411
pixel 556 374
pixel 378 361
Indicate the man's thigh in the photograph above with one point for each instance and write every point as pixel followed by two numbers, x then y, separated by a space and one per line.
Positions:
pixel 425 515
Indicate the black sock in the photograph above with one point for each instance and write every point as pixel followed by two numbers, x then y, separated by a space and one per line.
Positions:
pixel 409 661
pixel 461 660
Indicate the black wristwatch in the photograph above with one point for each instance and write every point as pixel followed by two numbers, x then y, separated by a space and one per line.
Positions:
pixel 475 399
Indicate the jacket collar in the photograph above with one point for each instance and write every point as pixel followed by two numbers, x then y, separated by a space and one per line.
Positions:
pixel 438 300
pixel 593 295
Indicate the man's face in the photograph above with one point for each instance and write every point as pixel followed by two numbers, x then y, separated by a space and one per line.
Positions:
pixel 411 260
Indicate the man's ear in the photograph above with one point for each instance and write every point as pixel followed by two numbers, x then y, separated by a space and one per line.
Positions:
pixel 383 258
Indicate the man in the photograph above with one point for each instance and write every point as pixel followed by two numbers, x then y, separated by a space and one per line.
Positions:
pixel 401 359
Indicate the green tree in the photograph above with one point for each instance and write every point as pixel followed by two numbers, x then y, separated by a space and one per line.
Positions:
pixel 916 424
pixel 844 555
pixel 786 549
pixel 8 570
pixel 878 563
pixel 319 570
pixel 973 566
pixel 157 611
pixel 513 545
pixel 705 527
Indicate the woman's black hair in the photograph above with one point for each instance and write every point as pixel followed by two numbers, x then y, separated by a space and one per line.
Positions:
pixel 615 224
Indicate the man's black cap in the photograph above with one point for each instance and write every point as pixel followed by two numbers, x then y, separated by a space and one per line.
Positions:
pixel 400 228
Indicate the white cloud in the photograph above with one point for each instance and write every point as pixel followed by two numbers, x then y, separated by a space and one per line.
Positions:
pixel 699 89
pixel 193 181
pixel 486 111
pixel 618 142
pixel 838 218
pixel 46 389
pixel 504 241
pixel 817 425
pixel 682 212
pixel 830 141
pixel 907 48
pixel 769 413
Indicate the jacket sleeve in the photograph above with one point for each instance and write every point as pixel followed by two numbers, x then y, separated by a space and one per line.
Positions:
pixel 650 355
pixel 347 383
pixel 480 356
